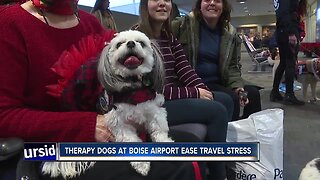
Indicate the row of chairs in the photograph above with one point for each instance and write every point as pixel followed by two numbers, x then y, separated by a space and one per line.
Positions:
pixel 259 57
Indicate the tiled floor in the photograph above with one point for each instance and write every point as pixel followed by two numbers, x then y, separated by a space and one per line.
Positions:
pixel 301 123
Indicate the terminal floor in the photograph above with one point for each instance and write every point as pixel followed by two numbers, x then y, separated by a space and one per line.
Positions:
pixel 301 123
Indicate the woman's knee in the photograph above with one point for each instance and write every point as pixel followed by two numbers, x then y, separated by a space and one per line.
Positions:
pixel 225 99
pixel 220 113
pixel 253 92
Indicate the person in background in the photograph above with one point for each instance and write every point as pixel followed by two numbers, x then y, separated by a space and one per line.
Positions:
pixel 104 15
pixel 8 2
pixel 34 36
pixel 266 39
pixel 188 100
pixel 257 41
pixel 175 11
pixel 218 64
pixel 288 14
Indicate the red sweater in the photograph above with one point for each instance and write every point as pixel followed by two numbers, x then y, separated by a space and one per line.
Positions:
pixel 28 49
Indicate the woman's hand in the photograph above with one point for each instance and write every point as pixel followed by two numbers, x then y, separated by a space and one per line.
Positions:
pixel 292 42
pixel 243 100
pixel 103 134
pixel 205 94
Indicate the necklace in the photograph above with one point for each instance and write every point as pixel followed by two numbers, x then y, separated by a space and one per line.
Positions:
pixel 60 7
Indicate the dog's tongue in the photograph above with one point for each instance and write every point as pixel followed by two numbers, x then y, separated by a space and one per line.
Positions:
pixel 132 62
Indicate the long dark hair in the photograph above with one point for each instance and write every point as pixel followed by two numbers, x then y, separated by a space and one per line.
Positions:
pixel 98 5
pixel 144 21
pixel 225 17
pixel 302 7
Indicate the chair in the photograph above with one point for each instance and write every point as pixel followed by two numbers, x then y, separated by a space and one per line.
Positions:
pixel 10 153
pixel 10 147
pixel 197 129
pixel 260 61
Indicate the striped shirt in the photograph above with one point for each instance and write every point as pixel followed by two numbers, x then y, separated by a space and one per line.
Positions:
pixel 181 81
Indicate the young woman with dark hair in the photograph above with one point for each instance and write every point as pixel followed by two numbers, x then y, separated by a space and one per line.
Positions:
pixel 218 64
pixel 104 15
pixel 188 100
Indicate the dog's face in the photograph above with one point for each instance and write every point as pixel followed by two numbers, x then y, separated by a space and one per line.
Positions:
pixel 128 58
pixel 130 54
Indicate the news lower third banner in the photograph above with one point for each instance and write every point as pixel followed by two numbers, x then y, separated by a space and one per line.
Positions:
pixel 142 151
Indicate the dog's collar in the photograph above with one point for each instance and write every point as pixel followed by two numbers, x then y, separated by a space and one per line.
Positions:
pixel 134 97
pixel 106 102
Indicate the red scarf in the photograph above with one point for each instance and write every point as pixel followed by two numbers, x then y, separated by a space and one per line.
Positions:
pixel 134 97
pixel 62 7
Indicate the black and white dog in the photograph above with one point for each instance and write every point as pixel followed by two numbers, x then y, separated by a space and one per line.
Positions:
pixel 311 171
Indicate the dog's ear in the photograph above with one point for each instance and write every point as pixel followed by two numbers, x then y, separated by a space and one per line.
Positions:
pixel 157 72
pixel 107 78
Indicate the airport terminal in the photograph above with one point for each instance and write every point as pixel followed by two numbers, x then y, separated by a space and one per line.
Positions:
pixel 255 24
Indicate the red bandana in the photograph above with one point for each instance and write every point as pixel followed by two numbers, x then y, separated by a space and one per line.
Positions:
pixel 62 7
pixel 134 97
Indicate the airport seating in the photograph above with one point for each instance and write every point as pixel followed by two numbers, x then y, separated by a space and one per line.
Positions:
pixel 260 61
pixel 197 129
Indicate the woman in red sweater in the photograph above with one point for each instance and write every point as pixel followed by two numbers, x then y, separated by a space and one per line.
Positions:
pixel 33 37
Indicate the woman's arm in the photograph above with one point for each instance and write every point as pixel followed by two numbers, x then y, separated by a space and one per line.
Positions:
pixel 190 82
pixel 21 114
pixel 234 68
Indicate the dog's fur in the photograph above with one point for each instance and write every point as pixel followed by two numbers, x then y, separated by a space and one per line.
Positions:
pixel 112 74
pixel 311 171
pixel 125 121
pixel 307 79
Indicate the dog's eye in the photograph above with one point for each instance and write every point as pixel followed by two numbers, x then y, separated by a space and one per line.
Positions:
pixel 142 43
pixel 118 45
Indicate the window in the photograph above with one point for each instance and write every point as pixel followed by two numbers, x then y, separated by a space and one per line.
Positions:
pixel 125 6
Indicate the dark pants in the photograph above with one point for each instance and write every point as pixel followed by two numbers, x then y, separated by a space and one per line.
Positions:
pixel 8 168
pixel 211 113
pixel 253 96
pixel 288 59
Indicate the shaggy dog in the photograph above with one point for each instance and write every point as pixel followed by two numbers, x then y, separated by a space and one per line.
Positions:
pixel 308 74
pixel 131 72
pixel 311 171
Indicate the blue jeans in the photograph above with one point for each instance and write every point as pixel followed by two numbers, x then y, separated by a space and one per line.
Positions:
pixel 214 114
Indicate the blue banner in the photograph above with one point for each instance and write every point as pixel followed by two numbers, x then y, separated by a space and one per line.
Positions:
pixel 40 151
pixel 159 151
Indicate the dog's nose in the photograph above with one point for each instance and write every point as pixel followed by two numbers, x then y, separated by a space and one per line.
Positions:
pixel 131 44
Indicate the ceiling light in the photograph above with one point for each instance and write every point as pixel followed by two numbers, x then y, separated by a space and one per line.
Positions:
pixel 242 2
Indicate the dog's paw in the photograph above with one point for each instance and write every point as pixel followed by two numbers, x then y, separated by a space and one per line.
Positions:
pixel 51 168
pixel 141 167
pixel 313 100
pixel 159 99
pixel 168 139
pixel 160 137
